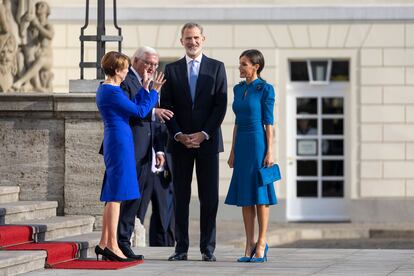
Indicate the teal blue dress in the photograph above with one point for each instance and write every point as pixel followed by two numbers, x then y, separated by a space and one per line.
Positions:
pixel 253 106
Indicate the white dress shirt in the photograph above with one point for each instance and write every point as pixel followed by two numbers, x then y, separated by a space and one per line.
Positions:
pixel 197 67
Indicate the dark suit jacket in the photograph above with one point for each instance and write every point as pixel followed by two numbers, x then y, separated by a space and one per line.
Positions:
pixel 143 130
pixel 209 107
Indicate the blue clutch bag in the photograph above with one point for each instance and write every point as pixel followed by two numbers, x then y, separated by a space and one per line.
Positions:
pixel 268 175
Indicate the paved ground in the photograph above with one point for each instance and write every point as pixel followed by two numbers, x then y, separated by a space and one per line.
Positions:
pixel 297 249
pixel 363 243
pixel 282 261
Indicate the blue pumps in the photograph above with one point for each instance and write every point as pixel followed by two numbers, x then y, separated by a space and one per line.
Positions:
pixel 263 259
pixel 243 259
pixel 246 259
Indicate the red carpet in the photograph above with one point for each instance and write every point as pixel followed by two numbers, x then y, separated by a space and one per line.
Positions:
pixel 93 264
pixel 60 255
pixel 12 235
pixel 57 252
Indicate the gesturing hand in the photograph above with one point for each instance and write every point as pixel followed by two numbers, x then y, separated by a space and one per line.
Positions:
pixel 163 114
pixel 158 81
pixel 146 80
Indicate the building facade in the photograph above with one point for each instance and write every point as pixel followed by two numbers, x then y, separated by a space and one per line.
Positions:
pixel 344 79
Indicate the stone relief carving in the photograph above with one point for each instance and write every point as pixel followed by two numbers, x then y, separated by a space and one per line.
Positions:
pixel 25 46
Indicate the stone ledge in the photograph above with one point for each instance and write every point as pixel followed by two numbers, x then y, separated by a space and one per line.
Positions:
pixel 55 102
pixel 26 102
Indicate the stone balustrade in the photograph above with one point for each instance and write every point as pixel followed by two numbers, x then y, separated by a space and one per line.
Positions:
pixel 49 147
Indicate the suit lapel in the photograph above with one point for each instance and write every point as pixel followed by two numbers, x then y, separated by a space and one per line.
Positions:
pixel 134 83
pixel 183 76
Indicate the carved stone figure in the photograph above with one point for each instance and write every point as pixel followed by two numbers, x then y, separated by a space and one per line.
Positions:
pixel 25 46
pixel 8 47
pixel 38 50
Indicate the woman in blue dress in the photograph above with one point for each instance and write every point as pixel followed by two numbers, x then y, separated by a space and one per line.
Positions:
pixel 251 150
pixel 120 180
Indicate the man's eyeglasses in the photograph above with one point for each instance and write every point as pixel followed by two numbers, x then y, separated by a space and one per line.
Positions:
pixel 148 64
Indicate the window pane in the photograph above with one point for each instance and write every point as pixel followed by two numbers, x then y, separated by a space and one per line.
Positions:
pixel 332 168
pixel 307 167
pixel 306 105
pixel 333 105
pixel 332 126
pixel 306 188
pixel 299 71
pixel 340 70
pixel 332 188
pixel 319 70
pixel 307 126
pixel 307 147
pixel 332 147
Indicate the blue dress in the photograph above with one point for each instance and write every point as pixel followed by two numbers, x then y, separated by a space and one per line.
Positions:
pixel 253 106
pixel 120 179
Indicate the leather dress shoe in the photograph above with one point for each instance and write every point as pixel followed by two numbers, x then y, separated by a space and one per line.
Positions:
pixel 208 257
pixel 130 254
pixel 178 256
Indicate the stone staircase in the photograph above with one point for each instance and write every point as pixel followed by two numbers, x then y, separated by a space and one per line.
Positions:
pixel 48 227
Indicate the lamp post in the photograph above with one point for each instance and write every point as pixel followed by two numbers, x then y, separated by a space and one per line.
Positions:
pixel 101 38
pixel 83 85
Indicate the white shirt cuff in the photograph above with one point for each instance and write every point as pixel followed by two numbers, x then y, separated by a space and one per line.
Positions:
pixel 175 135
pixel 153 118
pixel 205 134
pixel 160 152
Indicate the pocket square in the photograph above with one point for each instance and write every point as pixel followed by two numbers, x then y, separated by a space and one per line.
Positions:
pixel 268 175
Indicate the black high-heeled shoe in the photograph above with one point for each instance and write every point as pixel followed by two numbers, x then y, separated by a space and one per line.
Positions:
pixel 99 251
pixel 113 257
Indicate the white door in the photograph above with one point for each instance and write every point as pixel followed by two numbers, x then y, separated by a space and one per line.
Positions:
pixel 316 180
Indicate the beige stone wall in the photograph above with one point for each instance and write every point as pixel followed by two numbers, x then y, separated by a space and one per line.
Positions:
pixel 383 87
pixel 49 148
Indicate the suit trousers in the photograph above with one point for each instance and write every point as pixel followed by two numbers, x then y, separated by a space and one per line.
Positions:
pixel 207 171
pixel 129 208
pixel 159 191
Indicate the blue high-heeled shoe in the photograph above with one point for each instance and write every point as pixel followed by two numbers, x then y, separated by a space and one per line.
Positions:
pixel 246 259
pixel 263 259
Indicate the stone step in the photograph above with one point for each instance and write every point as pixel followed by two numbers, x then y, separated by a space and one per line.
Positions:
pixel 13 212
pixel 9 194
pixel 20 262
pixel 59 227
pixel 87 243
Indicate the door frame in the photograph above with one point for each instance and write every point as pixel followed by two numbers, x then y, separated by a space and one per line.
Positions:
pixel 351 190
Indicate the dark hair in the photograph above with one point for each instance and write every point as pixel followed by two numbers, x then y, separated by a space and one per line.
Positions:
pixel 191 25
pixel 113 61
pixel 255 57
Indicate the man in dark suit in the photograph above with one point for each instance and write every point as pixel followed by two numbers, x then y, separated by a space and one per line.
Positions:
pixel 158 189
pixel 196 91
pixel 148 145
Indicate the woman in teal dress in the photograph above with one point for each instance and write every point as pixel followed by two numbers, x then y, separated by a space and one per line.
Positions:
pixel 120 180
pixel 251 150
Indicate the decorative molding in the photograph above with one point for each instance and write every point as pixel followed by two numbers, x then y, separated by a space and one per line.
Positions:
pixel 256 13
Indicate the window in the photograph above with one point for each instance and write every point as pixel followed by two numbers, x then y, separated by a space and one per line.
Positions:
pixel 319 71
pixel 299 71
